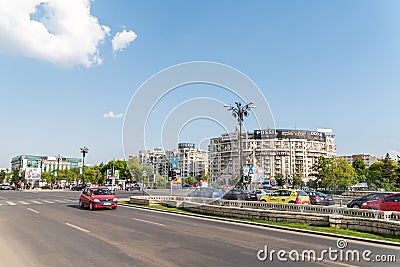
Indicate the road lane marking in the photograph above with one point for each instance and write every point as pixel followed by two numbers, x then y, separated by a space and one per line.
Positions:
pixel 23 202
pixel 11 203
pixel 139 220
pixel 60 201
pixel 48 201
pixel 32 210
pixel 78 228
pixel 36 202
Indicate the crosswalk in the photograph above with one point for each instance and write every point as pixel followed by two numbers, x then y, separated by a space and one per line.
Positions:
pixel 36 202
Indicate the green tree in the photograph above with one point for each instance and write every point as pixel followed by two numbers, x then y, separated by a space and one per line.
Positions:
pixel 334 173
pixel 280 181
pixel 2 176
pixel 320 170
pixel 46 176
pixel 389 173
pixel 298 180
pixel 134 168
pixel 361 170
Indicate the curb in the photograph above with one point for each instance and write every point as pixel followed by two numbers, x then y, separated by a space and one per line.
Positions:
pixel 367 240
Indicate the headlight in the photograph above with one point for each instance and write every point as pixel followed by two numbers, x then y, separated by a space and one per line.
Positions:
pixel 96 200
pixel 115 199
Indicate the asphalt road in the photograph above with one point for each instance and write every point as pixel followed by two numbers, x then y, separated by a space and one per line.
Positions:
pixel 46 228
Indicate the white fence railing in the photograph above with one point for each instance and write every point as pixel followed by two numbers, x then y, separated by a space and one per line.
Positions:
pixel 333 210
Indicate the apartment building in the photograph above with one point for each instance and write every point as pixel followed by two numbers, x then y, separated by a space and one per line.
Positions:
pixel 272 151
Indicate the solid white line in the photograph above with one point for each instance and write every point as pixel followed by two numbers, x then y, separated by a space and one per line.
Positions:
pixel 139 220
pixel 23 202
pixel 32 210
pixel 36 202
pixel 11 203
pixel 78 228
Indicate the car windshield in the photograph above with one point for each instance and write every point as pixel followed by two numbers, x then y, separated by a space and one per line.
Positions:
pixel 102 191
pixel 302 193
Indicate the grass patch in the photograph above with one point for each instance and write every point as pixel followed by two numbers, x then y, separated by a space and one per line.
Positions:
pixel 321 229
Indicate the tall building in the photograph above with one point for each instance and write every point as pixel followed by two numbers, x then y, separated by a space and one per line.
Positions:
pixel 192 162
pixel 367 159
pixel 288 152
pixel 46 163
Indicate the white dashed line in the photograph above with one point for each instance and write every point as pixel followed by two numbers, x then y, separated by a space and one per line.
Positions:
pixel 139 220
pixel 36 202
pixel 48 201
pixel 32 210
pixel 11 203
pixel 78 228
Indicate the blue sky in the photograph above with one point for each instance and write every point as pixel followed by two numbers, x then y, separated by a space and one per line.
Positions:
pixel 319 64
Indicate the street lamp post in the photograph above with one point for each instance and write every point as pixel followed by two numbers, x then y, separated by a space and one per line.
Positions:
pixel 84 151
pixel 240 111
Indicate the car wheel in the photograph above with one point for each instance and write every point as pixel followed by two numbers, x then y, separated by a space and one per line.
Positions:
pixel 263 200
pixel 90 206
pixel 80 204
pixel 356 206
pixel 292 202
pixel 114 208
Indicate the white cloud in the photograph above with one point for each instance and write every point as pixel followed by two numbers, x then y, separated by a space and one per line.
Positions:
pixel 59 31
pixel 122 39
pixel 112 115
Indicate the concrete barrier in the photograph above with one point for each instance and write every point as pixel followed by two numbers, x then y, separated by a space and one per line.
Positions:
pixel 382 222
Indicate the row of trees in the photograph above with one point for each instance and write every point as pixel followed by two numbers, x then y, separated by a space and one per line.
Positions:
pixel 129 170
pixel 338 173
pixel 95 175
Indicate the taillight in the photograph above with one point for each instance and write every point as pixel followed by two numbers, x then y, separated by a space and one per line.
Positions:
pixel 298 199
pixel 212 194
pixel 247 195
pixel 317 198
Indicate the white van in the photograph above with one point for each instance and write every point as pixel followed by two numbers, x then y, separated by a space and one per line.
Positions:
pixel 112 187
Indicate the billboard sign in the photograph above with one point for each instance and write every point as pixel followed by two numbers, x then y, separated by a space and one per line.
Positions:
pixel 33 173
pixel 286 134
pixel 229 136
pixel 186 145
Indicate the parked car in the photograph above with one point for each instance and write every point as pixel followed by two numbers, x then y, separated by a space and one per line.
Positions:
pixel 387 203
pixel 133 187
pixel 240 194
pixel 261 192
pixel 207 192
pixel 78 187
pixel 5 186
pixel 319 198
pixel 97 197
pixel 112 187
pixel 357 203
pixel 287 196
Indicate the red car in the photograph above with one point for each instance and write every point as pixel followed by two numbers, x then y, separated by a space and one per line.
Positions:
pixel 387 203
pixel 97 197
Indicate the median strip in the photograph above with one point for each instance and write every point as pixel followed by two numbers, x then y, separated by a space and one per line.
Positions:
pixel 78 228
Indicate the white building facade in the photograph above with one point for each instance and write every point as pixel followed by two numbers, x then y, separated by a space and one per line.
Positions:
pixel 271 151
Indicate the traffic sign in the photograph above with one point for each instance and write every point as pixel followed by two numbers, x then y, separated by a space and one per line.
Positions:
pixel 144 173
